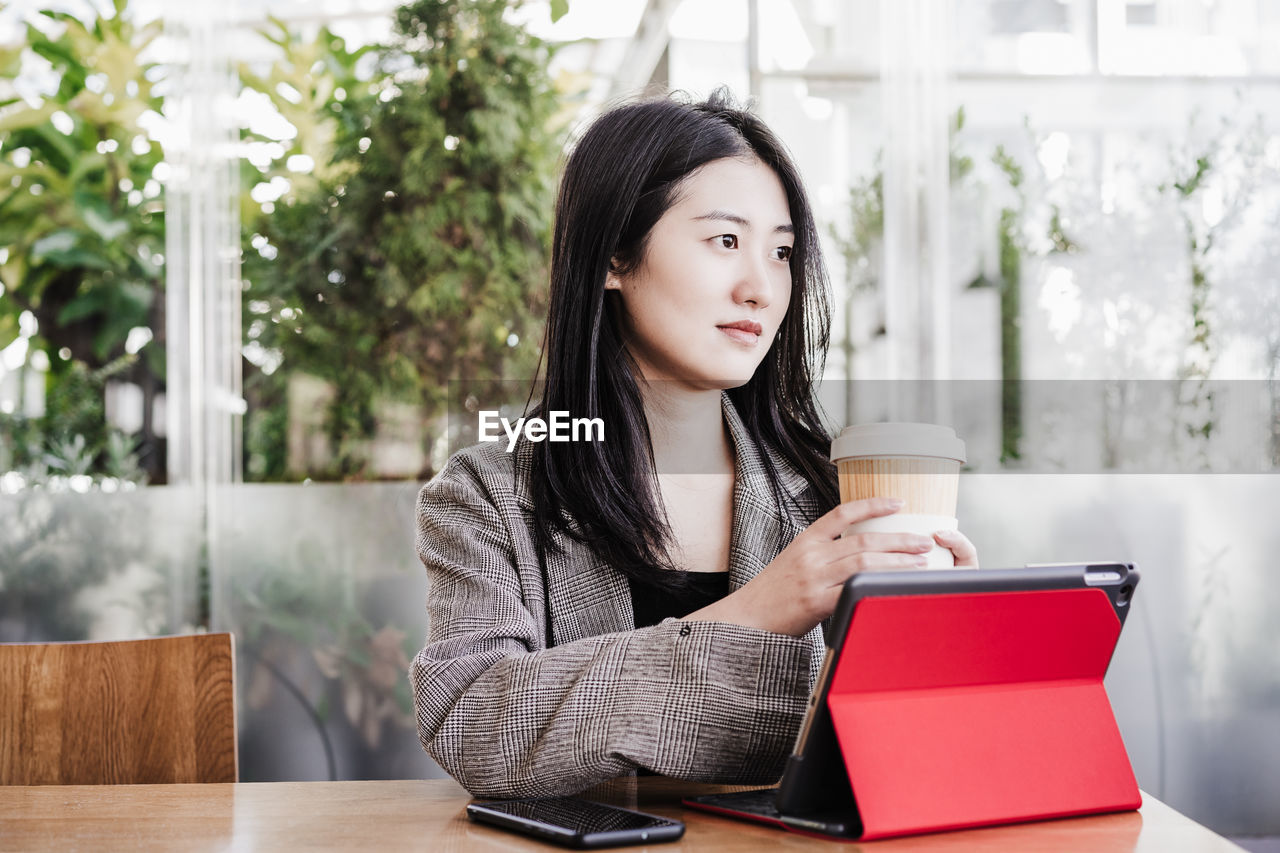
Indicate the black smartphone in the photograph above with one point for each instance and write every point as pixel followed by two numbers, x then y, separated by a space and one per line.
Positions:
pixel 576 823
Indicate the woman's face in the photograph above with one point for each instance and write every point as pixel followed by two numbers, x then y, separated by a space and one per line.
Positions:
pixel 718 258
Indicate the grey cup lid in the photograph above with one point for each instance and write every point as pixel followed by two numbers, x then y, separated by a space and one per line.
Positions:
pixel 897 439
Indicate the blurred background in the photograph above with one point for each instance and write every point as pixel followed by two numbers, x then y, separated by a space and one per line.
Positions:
pixel 260 260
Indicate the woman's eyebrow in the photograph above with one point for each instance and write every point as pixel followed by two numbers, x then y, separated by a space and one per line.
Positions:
pixel 738 220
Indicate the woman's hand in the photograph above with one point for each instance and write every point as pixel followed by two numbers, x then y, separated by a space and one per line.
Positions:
pixel 802 585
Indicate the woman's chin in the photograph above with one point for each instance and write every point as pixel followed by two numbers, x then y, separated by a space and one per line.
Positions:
pixel 724 383
pixel 718 374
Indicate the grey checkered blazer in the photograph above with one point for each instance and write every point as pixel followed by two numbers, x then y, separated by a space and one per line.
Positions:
pixel 506 716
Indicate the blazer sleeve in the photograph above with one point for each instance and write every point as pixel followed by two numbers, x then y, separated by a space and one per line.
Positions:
pixel 506 717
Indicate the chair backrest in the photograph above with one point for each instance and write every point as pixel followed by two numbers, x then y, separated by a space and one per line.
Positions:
pixel 130 712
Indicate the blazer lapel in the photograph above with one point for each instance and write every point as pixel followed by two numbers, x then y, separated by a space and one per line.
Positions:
pixel 760 528
pixel 755 516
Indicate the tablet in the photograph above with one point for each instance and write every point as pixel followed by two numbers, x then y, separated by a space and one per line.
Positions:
pixel 958 698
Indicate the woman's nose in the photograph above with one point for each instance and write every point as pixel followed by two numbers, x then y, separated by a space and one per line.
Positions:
pixel 755 285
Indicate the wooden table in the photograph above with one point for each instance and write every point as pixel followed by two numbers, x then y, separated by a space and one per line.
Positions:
pixel 429 816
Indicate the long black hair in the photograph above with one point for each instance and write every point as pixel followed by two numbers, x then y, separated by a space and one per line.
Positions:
pixel 623 174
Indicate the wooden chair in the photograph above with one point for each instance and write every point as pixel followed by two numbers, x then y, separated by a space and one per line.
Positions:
pixel 131 712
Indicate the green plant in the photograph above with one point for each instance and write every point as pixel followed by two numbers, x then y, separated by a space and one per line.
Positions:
pixel 862 234
pixel 304 625
pixel 1014 245
pixel 1197 405
pixel 420 257
pixel 1010 289
pixel 55 544
pixel 858 243
pixel 82 229
pixel 316 86
pixel 1227 163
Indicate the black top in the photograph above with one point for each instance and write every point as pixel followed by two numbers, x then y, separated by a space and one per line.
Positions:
pixel 653 605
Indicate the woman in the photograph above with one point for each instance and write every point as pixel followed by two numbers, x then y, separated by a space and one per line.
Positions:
pixel 652 602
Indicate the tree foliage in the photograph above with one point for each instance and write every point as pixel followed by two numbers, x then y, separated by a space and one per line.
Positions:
pixel 82 229
pixel 407 248
pixel 420 256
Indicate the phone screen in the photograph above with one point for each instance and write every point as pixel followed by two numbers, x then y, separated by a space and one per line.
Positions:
pixel 569 818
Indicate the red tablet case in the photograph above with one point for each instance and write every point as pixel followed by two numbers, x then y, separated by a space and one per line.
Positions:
pixel 970 709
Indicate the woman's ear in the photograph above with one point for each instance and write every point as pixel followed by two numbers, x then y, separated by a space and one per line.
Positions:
pixel 611 280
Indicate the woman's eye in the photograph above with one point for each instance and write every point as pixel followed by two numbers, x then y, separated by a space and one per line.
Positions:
pixel 728 241
pixel 784 253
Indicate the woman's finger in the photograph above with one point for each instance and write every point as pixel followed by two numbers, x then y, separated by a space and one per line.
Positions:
pixel 966 555
pixel 831 525
pixel 875 561
pixel 907 543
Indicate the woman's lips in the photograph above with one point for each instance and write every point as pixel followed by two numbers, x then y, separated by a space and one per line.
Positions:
pixel 742 336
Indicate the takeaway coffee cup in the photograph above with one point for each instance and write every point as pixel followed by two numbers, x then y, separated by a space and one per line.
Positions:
pixel 919 463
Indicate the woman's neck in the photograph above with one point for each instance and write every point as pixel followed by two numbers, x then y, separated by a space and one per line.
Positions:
pixel 688 431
